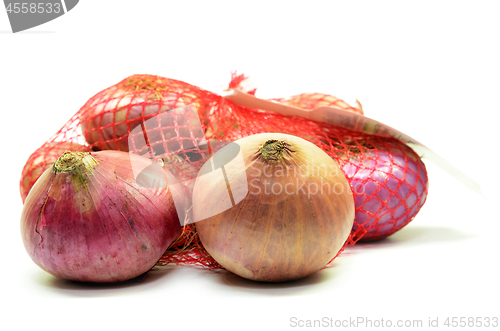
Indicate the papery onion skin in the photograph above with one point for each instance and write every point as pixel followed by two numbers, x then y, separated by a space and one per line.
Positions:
pixel 315 100
pixel 41 160
pixel 278 236
pixel 97 223
pixel 390 187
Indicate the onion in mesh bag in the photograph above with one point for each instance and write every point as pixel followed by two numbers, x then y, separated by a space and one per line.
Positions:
pixel 111 115
pixel 390 186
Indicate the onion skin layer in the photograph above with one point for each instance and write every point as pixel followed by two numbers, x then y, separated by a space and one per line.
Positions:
pixel 277 236
pixel 99 224
pixel 390 187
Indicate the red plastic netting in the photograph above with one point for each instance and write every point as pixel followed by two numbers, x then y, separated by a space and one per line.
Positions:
pixel 388 179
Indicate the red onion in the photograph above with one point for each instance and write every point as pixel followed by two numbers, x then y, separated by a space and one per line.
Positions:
pixel 89 219
pixel 41 160
pixel 113 113
pixel 389 186
pixel 274 207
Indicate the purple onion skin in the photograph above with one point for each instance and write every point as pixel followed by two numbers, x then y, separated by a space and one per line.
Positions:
pixel 389 189
pixel 111 231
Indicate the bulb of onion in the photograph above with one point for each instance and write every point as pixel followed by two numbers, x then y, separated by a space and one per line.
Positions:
pixel 110 116
pixel 42 159
pixel 89 219
pixel 390 186
pixel 278 209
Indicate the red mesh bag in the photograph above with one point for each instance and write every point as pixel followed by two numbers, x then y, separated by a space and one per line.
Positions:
pixel 388 179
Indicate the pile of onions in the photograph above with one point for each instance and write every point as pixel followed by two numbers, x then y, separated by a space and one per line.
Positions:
pixel 41 160
pixel 90 219
pixel 272 207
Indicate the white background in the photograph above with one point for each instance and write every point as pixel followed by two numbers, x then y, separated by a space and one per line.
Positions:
pixel 428 68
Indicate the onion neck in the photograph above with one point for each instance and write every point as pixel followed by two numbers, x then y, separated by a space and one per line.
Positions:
pixel 79 164
pixel 274 150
